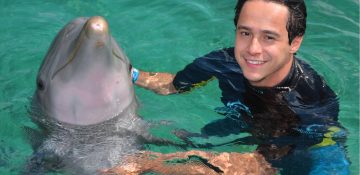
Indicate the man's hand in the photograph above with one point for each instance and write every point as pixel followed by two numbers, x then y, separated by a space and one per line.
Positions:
pixel 160 83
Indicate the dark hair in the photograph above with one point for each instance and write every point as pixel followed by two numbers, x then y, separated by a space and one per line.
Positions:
pixel 296 24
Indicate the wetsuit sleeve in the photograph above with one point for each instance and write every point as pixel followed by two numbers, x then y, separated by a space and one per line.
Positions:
pixel 203 69
pixel 190 77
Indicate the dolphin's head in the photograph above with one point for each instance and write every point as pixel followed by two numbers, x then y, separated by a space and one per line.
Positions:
pixel 85 77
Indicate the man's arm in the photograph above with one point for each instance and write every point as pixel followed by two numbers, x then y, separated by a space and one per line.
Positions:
pixel 195 74
pixel 159 82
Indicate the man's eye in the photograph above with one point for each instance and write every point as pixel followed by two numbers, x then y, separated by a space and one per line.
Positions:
pixel 269 38
pixel 245 33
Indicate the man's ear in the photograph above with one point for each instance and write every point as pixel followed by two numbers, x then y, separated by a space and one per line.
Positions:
pixel 295 44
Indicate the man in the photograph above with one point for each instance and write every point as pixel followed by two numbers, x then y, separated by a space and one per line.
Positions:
pixel 288 108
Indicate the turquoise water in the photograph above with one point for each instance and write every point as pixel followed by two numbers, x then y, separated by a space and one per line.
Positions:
pixel 165 35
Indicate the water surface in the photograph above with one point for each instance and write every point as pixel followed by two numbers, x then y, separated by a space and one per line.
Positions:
pixel 165 35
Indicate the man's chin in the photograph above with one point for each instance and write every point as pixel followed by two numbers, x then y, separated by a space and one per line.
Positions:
pixel 254 80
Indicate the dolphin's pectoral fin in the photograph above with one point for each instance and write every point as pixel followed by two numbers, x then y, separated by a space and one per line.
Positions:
pixel 150 139
pixel 48 157
pixel 186 135
pixel 42 162
pixel 34 136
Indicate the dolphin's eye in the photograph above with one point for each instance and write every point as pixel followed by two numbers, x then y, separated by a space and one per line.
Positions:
pixel 40 84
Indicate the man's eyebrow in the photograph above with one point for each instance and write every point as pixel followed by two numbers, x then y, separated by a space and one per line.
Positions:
pixel 270 32
pixel 242 27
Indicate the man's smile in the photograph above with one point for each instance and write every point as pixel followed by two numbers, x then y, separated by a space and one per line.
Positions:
pixel 254 62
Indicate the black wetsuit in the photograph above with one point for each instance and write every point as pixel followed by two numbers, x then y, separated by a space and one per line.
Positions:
pixel 299 113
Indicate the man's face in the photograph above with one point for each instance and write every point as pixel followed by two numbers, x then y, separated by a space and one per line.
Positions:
pixel 262 46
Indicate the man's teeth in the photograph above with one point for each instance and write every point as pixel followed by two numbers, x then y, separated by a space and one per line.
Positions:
pixel 255 62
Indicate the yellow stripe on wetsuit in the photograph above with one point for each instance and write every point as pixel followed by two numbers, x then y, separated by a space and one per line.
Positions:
pixel 328 137
pixel 198 85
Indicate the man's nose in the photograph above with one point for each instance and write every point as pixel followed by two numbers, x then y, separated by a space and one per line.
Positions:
pixel 254 46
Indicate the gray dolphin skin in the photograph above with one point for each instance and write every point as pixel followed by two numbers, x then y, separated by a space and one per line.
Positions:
pixel 84 103
pixel 84 78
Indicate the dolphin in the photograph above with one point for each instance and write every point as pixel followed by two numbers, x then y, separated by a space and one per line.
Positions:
pixel 84 104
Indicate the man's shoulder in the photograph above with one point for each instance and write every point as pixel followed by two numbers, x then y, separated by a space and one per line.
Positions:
pixel 312 97
pixel 224 54
pixel 309 73
pixel 311 84
pixel 221 61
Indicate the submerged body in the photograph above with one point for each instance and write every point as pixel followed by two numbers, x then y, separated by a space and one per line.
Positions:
pixel 292 123
pixel 84 103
